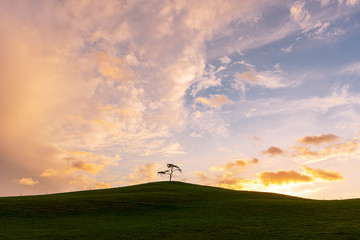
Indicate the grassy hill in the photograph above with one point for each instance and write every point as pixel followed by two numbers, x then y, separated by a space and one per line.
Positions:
pixel 175 210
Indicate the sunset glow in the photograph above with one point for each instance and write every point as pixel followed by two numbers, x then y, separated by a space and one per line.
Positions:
pixel 246 95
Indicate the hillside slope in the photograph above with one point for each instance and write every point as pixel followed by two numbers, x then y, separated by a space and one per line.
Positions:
pixel 175 210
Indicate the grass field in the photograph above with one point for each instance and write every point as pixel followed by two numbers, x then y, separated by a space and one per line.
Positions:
pixel 175 210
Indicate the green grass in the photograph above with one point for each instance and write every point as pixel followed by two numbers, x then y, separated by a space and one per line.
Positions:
pixel 175 210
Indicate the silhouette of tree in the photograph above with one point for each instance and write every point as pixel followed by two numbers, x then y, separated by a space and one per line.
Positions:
pixel 171 169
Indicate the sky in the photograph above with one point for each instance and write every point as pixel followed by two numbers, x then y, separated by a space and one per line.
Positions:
pixel 245 95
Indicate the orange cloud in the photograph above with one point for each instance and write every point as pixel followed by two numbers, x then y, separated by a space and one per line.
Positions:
pixel 143 173
pixel 283 177
pixel 83 166
pixel 101 185
pixel 249 76
pixel 82 181
pixel 268 79
pixel 317 140
pixel 290 176
pixel 229 177
pixel 28 181
pixel 215 101
pixel 343 149
pixel 323 174
pixel 272 151
pixel 123 112
pixel 107 125
pixel 113 67
pixel 254 138
pixel 237 183
pixel 48 172
pixel 304 151
pixel 239 164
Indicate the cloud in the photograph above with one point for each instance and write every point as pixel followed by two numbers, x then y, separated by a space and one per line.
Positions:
pixel 339 150
pixel 101 185
pixel 249 76
pixel 229 175
pixel 225 60
pixel 268 79
pixel 288 49
pixel 270 180
pixel 104 81
pixel 75 73
pixel 252 137
pixel 48 173
pixel 273 151
pixel 283 177
pixel 317 26
pixel 158 146
pixel 324 3
pixel 173 148
pixel 28 181
pixel 339 98
pixel 320 139
pixel 208 121
pixel 353 68
pixel 236 165
pixel 81 165
pixel 239 163
pixel 299 14
pixel 113 67
pixel 196 135
pixel 237 183
pixel 352 2
pixel 221 68
pixel 283 181
pixel 82 181
pixel 207 80
pixel 323 174
pixel 228 179
pixel 215 101
pixel 143 173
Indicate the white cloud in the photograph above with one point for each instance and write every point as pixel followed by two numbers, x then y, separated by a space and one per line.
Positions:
pixel 352 2
pixel 220 69
pixel 196 135
pixel 337 98
pixel 288 49
pixel 353 68
pixel 225 60
pixel 299 14
pixel 209 79
pixel 173 148
pixel 208 122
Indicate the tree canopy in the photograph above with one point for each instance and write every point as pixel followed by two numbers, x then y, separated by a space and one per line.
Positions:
pixel 171 169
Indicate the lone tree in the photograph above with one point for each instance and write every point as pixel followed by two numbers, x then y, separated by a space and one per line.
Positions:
pixel 171 169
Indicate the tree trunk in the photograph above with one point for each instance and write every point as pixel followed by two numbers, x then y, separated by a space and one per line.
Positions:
pixel 170 177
